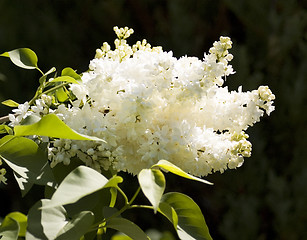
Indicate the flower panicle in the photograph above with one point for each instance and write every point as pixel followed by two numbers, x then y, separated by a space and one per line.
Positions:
pixel 148 105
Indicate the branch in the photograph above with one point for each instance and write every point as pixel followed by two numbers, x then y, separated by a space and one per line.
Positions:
pixel 5 119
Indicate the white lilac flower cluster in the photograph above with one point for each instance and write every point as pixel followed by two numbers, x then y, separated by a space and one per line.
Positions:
pixel 148 105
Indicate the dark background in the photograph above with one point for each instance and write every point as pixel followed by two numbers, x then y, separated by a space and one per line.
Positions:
pixel 264 199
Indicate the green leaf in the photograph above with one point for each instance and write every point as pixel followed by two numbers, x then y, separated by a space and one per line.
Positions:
pixel 27 160
pixel 22 57
pixel 108 212
pixel 152 183
pixel 30 120
pixel 76 227
pixel 79 183
pixel 10 103
pixel 60 171
pixel 120 237
pixel 22 221
pixel 50 125
pixel 61 95
pixel 72 73
pixel 64 79
pixel 169 213
pixel 45 223
pixel 113 192
pixel 166 165
pixel 43 78
pixel 191 222
pixel 127 227
pixel 9 229
pixel 93 202
pixel 5 129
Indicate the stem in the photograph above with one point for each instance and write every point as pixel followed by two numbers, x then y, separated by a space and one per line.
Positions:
pixel 55 88
pixel 40 71
pixel 134 196
pixel 124 208
pixel 124 195
pixel 4 119
pixel 141 206
pixel 47 91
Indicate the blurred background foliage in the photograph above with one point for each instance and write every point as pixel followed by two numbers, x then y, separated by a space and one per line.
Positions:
pixel 264 199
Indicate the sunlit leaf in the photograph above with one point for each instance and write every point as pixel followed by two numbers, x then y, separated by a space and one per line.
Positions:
pixel 24 184
pixel 22 57
pixel 27 160
pixel 120 236
pixel 127 227
pixel 5 129
pixel 191 222
pixel 22 221
pixel 30 120
pixel 64 79
pixel 9 229
pixel 10 103
pixel 113 192
pixel 76 227
pixel 70 72
pixel 79 183
pixel 61 95
pixel 50 125
pixel 152 183
pixel 93 202
pixel 166 165
pixel 45 223
pixel 169 213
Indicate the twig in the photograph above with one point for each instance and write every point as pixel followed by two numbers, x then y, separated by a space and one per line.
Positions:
pixel 6 118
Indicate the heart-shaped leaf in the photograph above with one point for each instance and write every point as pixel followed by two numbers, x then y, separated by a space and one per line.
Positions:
pixel 22 221
pixel 191 222
pixel 127 227
pixel 166 165
pixel 45 223
pixel 9 229
pixel 70 72
pixel 76 227
pixel 51 126
pixel 79 183
pixel 27 160
pixel 152 183
pixel 22 57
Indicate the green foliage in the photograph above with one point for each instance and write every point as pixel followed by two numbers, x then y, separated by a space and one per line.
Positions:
pixel 186 216
pixel 4 129
pixel 125 226
pixel 45 223
pixel 175 170
pixel 27 160
pixel 51 126
pixel 22 57
pixel 152 183
pixel 79 183
pixel 9 229
pixel 21 219
pixel 265 198
pixel 10 103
